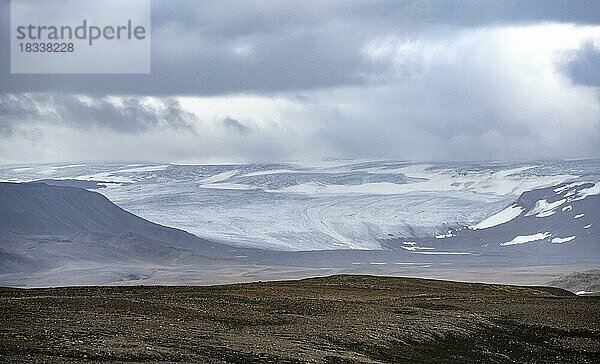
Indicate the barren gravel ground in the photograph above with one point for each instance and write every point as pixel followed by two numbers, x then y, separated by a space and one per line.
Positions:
pixel 337 319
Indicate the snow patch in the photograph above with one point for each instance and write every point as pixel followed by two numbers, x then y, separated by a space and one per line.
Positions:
pixel 220 177
pixel 501 217
pixel 442 236
pixel 415 248
pixel 543 208
pixel 269 172
pixel 568 186
pixel 228 186
pixel 558 240
pixel 522 239
pixel 137 169
pixel 590 191
pixel 105 177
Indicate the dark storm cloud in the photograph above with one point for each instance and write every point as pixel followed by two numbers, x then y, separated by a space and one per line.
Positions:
pixel 217 47
pixel 584 69
pixel 128 114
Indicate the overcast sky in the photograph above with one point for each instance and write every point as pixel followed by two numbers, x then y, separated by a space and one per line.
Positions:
pixel 244 81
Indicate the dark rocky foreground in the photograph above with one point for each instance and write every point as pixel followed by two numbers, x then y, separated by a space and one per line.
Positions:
pixel 338 319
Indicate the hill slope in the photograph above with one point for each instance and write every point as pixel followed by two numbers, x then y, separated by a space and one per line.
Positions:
pixel 337 319
pixel 68 235
pixel 552 225
pixel 41 209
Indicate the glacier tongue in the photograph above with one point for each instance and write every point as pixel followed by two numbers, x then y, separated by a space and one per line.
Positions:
pixel 294 206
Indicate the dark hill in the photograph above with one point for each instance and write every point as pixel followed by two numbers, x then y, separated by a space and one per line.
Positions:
pixel 337 319
pixel 41 209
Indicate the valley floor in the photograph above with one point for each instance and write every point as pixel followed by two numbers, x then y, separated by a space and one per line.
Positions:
pixel 336 319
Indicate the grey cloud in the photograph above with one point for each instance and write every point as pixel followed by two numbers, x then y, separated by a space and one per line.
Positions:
pixel 14 110
pixel 291 45
pixel 584 69
pixel 129 115
pixel 236 125
pixel 309 90
pixel 467 108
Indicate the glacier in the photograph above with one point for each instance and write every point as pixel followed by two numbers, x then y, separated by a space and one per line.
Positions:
pixel 339 204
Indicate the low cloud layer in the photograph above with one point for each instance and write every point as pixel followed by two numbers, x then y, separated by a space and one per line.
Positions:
pixel 118 114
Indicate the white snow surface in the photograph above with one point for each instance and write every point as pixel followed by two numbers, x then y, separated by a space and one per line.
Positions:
pixel 443 236
pixel 219 177
pixel 567 187
pixel 522 239
pixel 558 240
pixel 543 208
pixel 501 217
pixel 594 190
